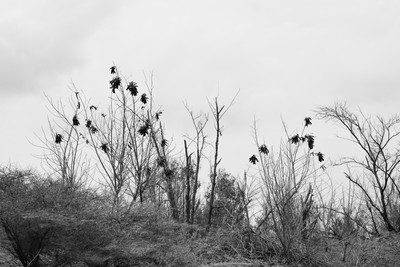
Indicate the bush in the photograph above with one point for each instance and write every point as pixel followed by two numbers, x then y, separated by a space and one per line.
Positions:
pixel 28 237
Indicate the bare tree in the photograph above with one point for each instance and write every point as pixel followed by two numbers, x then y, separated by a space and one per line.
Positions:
pixel 107 134
pixel 168 173
pixel 377 138
pixel 119 138
pixel 188 176
pixel 247 192
pixel 62 144
pixel 218 113
pixel 287 187
pixel 126 139
pixel 200 141
pixel 141 150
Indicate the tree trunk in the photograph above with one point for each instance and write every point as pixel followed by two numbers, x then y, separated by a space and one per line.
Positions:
pixel 187 197
pixel 216 162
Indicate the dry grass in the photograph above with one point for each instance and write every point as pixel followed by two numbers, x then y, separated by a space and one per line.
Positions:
pixel 86 232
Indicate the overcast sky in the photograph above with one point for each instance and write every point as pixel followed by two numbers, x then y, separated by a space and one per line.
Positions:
pixel 286 57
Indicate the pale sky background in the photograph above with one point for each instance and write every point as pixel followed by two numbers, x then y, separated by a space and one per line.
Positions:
pixel 286 57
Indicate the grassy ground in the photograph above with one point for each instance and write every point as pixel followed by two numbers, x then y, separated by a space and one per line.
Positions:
pixel 152 241
pixel 85 230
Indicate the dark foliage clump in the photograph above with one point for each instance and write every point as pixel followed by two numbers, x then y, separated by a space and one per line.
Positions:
pixel 263 149
pixel 144 98
pixel 132 88
pixel 253 159
pixel 75 120
pixel 307 121
pixel 90 127
pixel 295 139
pixel 320 156
pixel 115 83
pixel 104 147
pixel 144 128
pixel 310 140
pixel 59 138
pixel 88 124
pixel 164 142
pixel 93 130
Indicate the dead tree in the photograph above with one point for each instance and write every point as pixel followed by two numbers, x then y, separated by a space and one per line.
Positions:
pixel 287 200
pixel 200 141
pixel 377 138
pixel 168 173
pixel 120 140
pixel 188 158
pixel 218 113
pixel 62 144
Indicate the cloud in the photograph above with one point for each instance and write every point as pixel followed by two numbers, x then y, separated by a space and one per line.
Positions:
pixel 287 57
pixel 43 40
